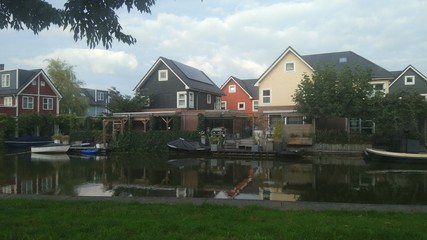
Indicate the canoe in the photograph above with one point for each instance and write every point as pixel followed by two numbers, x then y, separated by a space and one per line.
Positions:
pixel 379 155
pixel 51 148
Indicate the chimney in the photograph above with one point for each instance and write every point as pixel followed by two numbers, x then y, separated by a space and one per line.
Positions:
pixel 1 67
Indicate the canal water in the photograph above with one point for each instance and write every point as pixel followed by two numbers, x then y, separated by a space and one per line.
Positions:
pixel 326 178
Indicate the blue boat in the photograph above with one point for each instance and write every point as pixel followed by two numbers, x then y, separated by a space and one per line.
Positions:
pixel 89 151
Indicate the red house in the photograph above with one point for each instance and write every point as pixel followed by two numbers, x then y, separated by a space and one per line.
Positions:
pixel 26 91
pixel 240 95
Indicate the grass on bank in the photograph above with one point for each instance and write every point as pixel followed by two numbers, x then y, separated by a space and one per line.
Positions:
pixel 52 219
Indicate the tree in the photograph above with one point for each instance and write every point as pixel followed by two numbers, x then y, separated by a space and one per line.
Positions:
pixel 399 113
pixel 67 84
pixel 328 93
pixel 125 103
pixel 96 21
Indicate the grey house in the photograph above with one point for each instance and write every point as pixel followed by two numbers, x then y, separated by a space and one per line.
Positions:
pixel 97 99
pixel 409 79
pixel 171 85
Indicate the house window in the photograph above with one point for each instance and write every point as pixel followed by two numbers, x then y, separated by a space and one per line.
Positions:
pixel 34 83
pixel 163 75
pixel 241 106
pixel 294 120
pixel 208 99
pixel 223 105
pixel 217 105
pixel 7 101
pixel 5 80
pixel 47 103
pixel 289 67
pixel 232 88
pixel 27 102
pixel 191 99
pixel 42 83
pixel 266 96
pixel 181 99
pixel 409 80
pixel 255 105
pixel 343 59
pixel 100 96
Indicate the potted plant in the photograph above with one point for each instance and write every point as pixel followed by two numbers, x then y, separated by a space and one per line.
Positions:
pixel 57 137
pixel 65 139
pixel 215 140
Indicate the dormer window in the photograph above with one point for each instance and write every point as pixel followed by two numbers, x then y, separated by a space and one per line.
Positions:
pixel 5 80
pixel 289 67
pixel 409 80
pixel 163 75
pixel 100 96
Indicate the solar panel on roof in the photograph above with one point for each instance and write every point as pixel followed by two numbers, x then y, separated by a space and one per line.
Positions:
pixel 193 73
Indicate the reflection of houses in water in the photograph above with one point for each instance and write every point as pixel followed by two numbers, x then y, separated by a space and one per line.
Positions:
pixel 29 181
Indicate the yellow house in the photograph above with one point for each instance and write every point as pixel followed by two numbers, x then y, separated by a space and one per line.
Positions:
pixel 279 82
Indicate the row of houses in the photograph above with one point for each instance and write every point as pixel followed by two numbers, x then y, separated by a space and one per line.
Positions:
pixel 173 88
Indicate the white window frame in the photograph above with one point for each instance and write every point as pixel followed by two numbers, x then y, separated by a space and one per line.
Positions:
pixel 184 95
pixel 269 96
pixel 27 102
pixel 410 82
pixel 243 106
pixel 301 122
pixel 5 80
pixel 100 96
pixel 8 101
pixel 190 99
pixel 47 103
pixel 255 105
pixel 224 103
pixel 208 99
pixel 231 88
pixel 34 82
pixel 42 83
pixel 163 75
pixel 290 63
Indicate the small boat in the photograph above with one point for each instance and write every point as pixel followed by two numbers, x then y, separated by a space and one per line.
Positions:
pixel 181 144
pixel 288 154
pixel 51 148
pixel 89 151
pixel 28 141
pixel 378 155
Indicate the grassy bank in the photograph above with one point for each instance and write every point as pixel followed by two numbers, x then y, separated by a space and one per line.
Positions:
pixel 48 219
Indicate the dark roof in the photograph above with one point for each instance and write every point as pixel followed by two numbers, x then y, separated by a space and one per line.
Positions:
pixel 24 77
pixel 192 77
pixel 249 86
pixel 340 59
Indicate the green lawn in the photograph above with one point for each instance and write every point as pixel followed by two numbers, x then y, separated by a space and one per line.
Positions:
pixel 55 219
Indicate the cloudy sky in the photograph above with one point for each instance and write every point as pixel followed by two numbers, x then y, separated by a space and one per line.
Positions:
pixel 230 37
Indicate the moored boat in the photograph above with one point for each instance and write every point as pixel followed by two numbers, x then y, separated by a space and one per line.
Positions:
pixel 51 148
pixel 28 141
pixel 378 155
pixel 181 144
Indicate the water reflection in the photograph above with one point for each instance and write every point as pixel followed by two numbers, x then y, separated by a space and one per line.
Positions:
pixel 326 178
